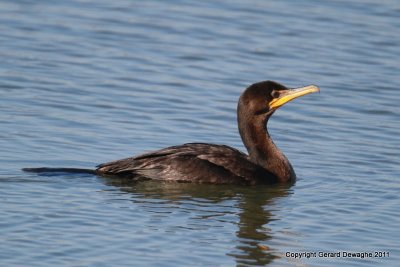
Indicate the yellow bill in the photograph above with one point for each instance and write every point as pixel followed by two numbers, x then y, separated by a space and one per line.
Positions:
pixel 290 94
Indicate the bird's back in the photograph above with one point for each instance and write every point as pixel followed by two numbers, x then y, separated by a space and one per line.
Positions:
pixel 193 162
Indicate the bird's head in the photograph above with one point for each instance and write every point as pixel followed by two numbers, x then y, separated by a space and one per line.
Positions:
pixel 265 97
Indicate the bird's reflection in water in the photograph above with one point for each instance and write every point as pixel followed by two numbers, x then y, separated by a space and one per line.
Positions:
pixel 255 205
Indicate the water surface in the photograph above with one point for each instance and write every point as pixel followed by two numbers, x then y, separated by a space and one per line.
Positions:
pixel 85 82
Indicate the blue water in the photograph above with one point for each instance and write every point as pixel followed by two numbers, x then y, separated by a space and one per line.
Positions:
pixel 86 82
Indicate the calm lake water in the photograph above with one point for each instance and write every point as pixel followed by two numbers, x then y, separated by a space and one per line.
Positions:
pixel 85 82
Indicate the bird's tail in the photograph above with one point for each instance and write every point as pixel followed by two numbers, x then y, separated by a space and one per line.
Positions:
pixel 52 170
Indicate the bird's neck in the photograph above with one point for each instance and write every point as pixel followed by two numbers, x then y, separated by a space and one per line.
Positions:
pixel 262 150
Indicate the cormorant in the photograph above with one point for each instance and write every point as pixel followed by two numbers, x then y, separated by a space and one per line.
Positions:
pixel 217 164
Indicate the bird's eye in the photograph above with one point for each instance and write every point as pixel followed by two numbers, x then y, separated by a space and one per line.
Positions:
pixel 275 94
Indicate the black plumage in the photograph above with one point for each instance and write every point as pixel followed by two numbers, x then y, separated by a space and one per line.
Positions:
pixel 193 162
pixel 217 164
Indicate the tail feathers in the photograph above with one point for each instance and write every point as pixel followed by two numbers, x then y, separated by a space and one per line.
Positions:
pixel 51 170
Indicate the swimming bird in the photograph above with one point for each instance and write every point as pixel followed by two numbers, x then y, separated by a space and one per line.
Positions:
pixel 212 163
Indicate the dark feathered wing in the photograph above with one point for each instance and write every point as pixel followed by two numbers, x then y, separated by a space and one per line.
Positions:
pixel 194 162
